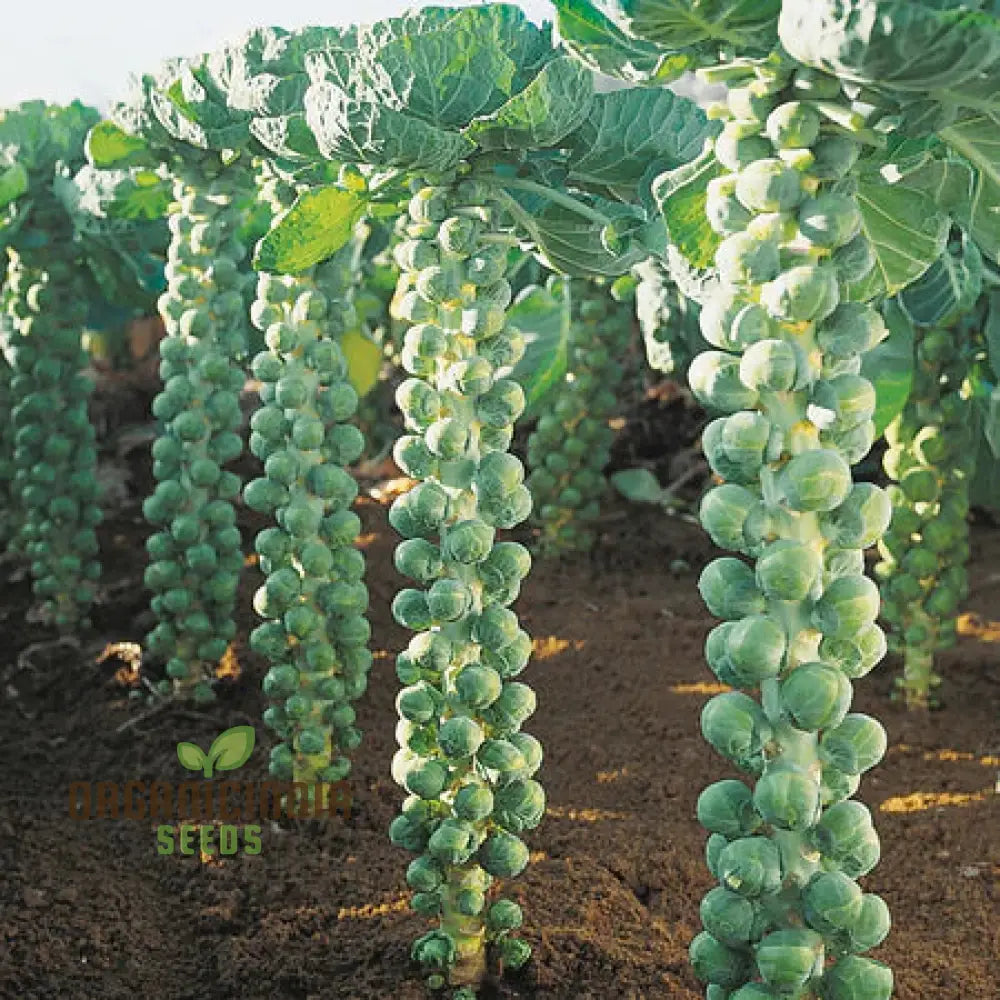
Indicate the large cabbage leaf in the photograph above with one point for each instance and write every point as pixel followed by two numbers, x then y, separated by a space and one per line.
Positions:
pixel 693 32
pixel 911 46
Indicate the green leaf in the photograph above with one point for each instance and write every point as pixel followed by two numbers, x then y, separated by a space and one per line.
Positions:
pixel 544 319
pixel 977 138
pixel 13 183
pixel 906 230
pixel 991 422
pixel 992 334
pixel 446 77
pixel 704 26
pixel 318 224
pixel 108 145
pixel 901 45
pixel 628 131
pixel 889 366
pixel 948 289
pixel 191 756
pixel 353 131
pixel 555 103
pixel 638 485
pixel 287 135
pixel 230 750
pixel 597 42
pixel 681 195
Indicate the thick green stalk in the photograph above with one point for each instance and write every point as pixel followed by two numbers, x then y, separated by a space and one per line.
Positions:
pixel 314 597
pixel 932 460
pixel 787 918
pixel 196 556
pixel 463 759
pixel 53 492
pixel 571 443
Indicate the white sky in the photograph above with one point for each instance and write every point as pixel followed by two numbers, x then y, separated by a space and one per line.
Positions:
pixel 60 49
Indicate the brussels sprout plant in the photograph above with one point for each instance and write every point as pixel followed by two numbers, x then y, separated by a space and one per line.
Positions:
pixel 314 596
pixel 931 459
pixel 49 463
pixel 801 231
pixel 570 445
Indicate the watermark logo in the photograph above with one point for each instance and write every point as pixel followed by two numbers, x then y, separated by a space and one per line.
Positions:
pixel 205 816
pixel 229 750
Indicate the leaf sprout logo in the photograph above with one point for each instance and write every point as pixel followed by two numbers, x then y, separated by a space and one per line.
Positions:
pixel 229 750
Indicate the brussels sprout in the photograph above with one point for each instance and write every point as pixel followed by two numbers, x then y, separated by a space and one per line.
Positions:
pixel 788 959
pixel 769 365
pixel 856 978
pixel 767 185
pixel 728 589
pixel 787 797
pixel 736 726
pixel 817 480
pixel 729 918
pixel 744 257
pixel 830 220
pixel 816 696
pixel 750 867
pixel 716 963
pixel 856 745
pixel 787 570
pixel 714 378
pixel 724 511
pixel 726 808
pixel 801 293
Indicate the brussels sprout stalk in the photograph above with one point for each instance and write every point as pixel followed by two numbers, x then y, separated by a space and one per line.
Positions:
pixel 463 759
pixel 800 621
pixel 931 457
pixel 54 511
pixel 314 597
pixel 570 445
pixel 196 556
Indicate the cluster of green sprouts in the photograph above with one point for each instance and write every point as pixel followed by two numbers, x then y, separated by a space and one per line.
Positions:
pixel 196 553
pixel 788 918
pixel 314 597
pixel 570 445
pixel 931 458
pixel 463 759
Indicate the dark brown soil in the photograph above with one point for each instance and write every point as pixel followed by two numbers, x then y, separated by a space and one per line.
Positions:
pixel 90 911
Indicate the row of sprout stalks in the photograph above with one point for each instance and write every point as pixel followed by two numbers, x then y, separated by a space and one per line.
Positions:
pixel 468 254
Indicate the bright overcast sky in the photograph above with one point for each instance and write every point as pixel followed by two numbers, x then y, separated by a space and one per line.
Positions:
pixel 60 49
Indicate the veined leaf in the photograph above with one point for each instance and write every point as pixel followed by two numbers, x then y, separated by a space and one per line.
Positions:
pixel 992 333
pixel 356 132
pixel 108 145
pixel 889 366
pixel 544 319
pixel 906 230
pixel 318 224
pixel 903 45
pixel 600 44
pixel 977 138
pixel 948 289
pixel 555 103
pixel 445 77
pixel 681 195
pixel 628 130
pixel 287 136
